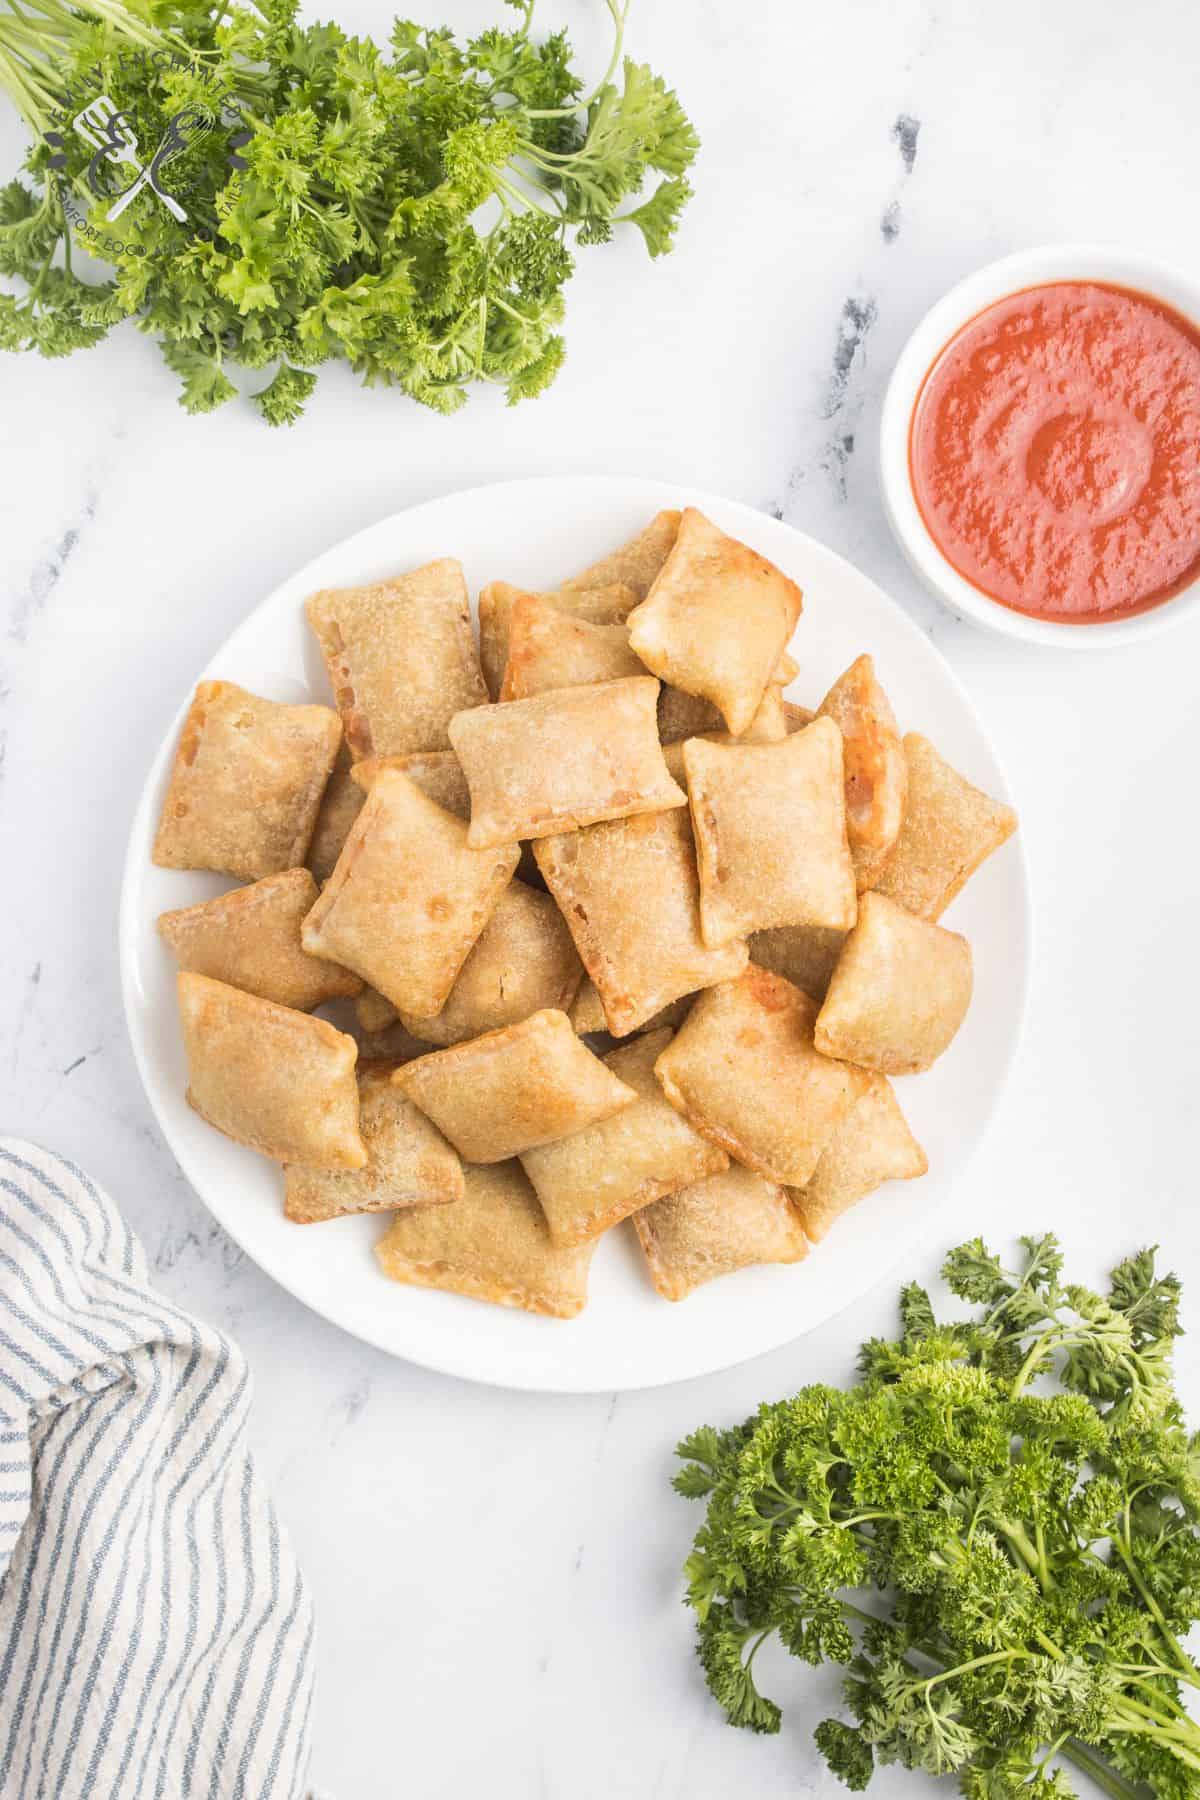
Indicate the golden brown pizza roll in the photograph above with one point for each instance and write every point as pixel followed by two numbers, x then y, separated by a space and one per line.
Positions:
pixel 340 806
pixel 716 1226
pixel 716 621
pixel 899 992
pixel 401 658
pixel 375 1011
pixel 493 1244
pixel 949 828
pixel 770 828
pixel 637 564
pixel 873 1144
pixel 409 1162
pixel 391 1044
pixel 744 1071
pixel 522 962
pixel 277 1080
pixel 589 1181
pixel 606 604
pixel 876 769
pixel 587 1014
pixel 804 954
pixel 629 892
pixel 563 760
pixel 796 717
pixel 682 716
pixel 786 669
pixel 511 1090
pixel 408 897
pixel 246 784
pixel 547 649
pixel 586 1011
pixel 250 938
pixel 438 773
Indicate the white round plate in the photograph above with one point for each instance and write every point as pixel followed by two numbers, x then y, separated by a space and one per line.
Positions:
pixel 536 533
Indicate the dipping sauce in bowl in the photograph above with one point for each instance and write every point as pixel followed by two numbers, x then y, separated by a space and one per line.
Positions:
pixel 1054 452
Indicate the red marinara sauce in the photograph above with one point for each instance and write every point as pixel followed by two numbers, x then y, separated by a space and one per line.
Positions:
pixel 1054 452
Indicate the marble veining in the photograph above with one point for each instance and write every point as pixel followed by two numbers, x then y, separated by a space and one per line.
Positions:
pixel 905 131
pixel 48 572
pixel 497 1576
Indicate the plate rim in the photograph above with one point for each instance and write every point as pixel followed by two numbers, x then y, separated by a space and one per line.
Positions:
pixel 129 921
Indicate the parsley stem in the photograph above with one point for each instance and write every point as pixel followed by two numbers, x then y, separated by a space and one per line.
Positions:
pixel 1105 1778
pixel 1187 1669
pixel 976 1662
pixel 1035 1356
pixel 1015 1536
pixel 1172 1706
pixel 619 10
pixel 1169 1740
pixel 1182 1730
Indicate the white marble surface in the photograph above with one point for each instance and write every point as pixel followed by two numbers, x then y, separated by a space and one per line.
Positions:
pixel 497 1575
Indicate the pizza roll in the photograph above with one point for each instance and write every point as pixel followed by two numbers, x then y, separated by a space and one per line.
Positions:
pixel 246 784
pixel 374 1011
pixel 638 563
pixel 340 806
pixel 716 621
pixel 390 1044
pixel 591 1180
pixel 876 768
pixel 401 658
pixel 770 825
pixel 563 760
pixel 796 717
pixel 438 773
pixel 493 1244
pixel 408 897
pixel 899 993
pixel 717 1225
pixel 547 649
pixel 409 1162
pixel 949 828
pixel 522 962
pixel 786 669
pixel 277 1080
pixel 586 1011
pixel 587 1014
pixel 873 1144
pixel 803 954
pixel 744 1070
pixel 629 892
pixel 682 716
pixel 508 1091
pixel 606 604
pixel 250 938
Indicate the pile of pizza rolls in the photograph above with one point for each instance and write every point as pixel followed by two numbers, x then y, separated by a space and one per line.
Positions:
pixel 611 929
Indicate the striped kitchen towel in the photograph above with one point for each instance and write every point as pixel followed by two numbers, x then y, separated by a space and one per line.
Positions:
pixel 156 1636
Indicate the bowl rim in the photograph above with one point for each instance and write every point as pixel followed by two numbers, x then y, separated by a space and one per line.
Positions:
pixel 947 316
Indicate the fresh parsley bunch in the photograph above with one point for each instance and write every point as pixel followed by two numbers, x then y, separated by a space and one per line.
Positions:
pixel 412 211
pixel 995 1533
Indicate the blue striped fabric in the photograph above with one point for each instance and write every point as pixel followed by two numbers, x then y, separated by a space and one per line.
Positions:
pixel 156 1635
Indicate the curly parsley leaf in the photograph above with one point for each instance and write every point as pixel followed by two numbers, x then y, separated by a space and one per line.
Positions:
pixel 410 209
pixel 1017 1495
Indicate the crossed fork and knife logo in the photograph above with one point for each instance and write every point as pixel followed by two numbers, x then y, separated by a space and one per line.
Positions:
pixel 114 141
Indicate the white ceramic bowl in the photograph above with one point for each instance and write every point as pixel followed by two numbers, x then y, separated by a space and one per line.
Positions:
pixel 1028 268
